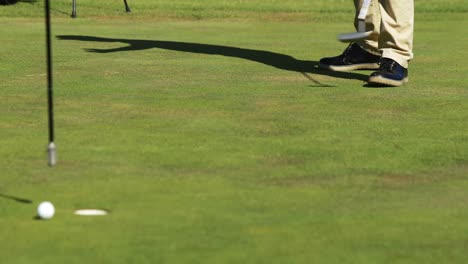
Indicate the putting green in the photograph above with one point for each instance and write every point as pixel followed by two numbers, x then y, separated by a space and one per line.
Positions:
pixel 207 130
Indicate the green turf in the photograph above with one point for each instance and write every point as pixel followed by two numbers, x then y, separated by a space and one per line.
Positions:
pixel 213 138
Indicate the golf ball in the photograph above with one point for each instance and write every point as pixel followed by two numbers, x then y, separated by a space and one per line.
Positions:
pixel 46 210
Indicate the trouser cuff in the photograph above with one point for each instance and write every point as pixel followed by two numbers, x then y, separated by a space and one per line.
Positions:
pixel 390 54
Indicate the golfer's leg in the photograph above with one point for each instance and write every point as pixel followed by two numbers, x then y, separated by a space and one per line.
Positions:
pixel 372 24
pixel 396 36
pixel 363 54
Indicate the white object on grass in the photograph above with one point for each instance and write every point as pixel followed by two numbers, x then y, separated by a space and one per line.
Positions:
pixel 45 210
pixel 91 212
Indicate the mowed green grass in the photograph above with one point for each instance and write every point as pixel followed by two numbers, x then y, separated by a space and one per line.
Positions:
pixel 215 139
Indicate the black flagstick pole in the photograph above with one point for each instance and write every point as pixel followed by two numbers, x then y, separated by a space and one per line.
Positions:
pixel 51 149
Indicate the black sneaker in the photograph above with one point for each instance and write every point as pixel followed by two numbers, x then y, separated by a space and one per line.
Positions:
pixel 353 58
pixel 390 73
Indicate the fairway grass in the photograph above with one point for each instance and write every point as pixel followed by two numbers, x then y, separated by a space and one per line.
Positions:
pixel 212 137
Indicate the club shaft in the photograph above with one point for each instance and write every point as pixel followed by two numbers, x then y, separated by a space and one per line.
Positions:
pixel 364 9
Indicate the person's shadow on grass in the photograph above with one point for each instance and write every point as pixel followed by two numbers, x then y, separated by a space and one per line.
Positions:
pixel 277 60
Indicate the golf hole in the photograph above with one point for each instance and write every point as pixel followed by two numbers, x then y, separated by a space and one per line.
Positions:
pixel 91 212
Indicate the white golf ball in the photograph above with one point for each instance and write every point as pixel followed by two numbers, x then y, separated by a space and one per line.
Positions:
pixel 46 210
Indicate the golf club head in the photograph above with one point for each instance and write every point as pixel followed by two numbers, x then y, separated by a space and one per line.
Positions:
pixel 355 36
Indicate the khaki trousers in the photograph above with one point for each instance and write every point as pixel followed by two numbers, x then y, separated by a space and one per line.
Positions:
pixel 392 26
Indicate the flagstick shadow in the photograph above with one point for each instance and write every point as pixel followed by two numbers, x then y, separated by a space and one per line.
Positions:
pixel 16 199
pixel 277 60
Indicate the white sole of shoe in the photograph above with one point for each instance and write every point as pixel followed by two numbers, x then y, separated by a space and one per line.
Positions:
pixel 379 80
pixel 352 67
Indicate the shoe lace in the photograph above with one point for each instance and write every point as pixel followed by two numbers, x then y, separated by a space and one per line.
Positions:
pixel 348 50
pixel 387 64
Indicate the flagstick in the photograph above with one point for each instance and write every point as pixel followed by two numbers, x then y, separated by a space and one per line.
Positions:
pixel 51 149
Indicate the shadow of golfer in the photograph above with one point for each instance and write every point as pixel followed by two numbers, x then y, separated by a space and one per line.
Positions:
pixel 277 60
